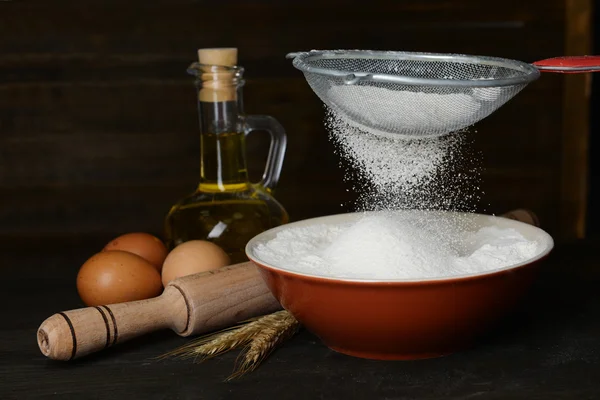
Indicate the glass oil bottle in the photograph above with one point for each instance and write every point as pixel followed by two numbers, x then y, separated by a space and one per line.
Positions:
pixel 226 208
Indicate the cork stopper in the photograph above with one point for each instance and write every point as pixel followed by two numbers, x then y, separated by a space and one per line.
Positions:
pixel 226 56
pixel 218 85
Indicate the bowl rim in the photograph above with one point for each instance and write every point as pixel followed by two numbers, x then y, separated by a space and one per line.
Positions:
pixel 442 279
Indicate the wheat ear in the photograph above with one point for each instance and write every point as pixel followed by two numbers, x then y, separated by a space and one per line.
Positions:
pixel 278 327
pixel 216 343
pixel 259 336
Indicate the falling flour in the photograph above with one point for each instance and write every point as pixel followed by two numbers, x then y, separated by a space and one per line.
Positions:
pixel 394 173
pixel 389 246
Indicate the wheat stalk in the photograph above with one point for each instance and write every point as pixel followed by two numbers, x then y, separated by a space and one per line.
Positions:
pixel 277 330
pixel 258 336
pixel 217 343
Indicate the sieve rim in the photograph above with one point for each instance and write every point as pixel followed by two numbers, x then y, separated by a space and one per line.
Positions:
pixel 301 61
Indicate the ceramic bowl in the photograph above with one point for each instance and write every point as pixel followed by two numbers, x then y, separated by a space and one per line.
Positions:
pixel 401 319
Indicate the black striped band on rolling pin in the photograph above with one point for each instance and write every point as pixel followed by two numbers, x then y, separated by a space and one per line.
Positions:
pixel 107 325
pixel 74 349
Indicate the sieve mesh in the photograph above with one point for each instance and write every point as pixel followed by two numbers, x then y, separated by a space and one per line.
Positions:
pixel 414 94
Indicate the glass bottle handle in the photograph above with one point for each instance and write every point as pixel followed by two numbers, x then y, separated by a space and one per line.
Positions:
pixel 276 149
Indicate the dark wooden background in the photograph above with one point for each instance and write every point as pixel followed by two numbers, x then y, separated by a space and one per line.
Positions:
pixel 98 122
pixel 593 226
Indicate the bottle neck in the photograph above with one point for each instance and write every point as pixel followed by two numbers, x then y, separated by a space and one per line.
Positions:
pixel 222 146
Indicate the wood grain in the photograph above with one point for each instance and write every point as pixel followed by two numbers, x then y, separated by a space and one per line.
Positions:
pixel 546 350
pixel 576 126
pixel 98 118
pixel 189 305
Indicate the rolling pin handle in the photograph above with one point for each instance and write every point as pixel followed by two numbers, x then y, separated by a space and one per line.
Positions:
pixel 72 334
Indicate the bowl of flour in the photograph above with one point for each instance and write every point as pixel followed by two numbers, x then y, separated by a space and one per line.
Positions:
pixel 400 284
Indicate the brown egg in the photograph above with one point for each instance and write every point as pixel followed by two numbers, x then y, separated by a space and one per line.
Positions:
pixel 117 276
pixel 192 257
pixel 143 244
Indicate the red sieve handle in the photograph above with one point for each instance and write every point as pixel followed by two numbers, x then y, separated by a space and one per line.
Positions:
pixel 569 64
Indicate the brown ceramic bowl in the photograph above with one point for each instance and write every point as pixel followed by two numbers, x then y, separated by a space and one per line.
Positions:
pixel 401 319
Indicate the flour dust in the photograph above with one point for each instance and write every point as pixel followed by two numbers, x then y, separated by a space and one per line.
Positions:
pixel 391 173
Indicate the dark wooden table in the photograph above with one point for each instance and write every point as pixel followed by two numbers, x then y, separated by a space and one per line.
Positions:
pixel 548 349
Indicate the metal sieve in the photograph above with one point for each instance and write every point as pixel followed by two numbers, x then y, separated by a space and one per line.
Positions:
pixel 420 94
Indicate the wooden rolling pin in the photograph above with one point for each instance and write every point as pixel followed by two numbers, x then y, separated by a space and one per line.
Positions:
pixel 189 305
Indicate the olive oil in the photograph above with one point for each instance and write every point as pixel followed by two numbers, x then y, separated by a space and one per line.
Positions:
pixel 226 208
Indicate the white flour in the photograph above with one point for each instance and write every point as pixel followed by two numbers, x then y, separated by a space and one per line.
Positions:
pixel 390 246
pixel 405 111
